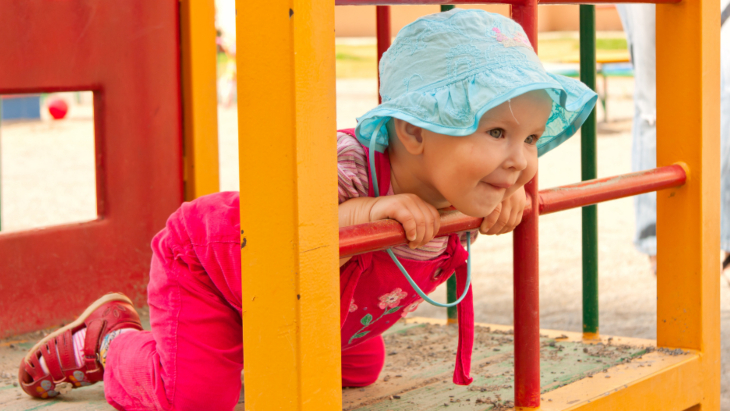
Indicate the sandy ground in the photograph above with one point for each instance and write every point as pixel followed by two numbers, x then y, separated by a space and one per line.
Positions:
pixel 47 178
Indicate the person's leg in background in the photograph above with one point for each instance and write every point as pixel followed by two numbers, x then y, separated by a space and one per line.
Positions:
pixel 725 144
pixel 639 22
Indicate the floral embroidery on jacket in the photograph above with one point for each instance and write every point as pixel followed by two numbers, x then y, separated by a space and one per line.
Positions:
pixel 388 302
pixel 391 299
pixel 353 306
pixel 411 308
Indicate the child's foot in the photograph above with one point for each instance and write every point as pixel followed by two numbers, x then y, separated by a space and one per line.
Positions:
pixel 74 356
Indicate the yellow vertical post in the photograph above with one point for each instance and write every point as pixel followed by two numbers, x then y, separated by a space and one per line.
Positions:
pixel 200 99
pixel 688 218
pixel 289 226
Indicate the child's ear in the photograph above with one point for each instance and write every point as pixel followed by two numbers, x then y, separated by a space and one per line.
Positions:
pixel 410 136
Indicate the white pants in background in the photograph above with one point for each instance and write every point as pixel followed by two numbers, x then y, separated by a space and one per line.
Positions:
pixel 639 23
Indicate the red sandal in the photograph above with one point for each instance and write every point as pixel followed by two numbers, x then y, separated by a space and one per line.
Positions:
pixel 109 313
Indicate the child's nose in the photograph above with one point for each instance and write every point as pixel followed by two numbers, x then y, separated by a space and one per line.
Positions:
pixel 516 158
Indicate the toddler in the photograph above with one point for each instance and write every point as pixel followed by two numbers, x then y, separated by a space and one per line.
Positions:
pixel 467 109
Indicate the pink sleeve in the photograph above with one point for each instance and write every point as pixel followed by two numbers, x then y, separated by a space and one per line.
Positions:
pixel 351 168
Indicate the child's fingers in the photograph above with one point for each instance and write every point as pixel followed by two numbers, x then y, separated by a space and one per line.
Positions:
pixel 514 221
pixel 405 217
pixel 421 225
pixel 490 220
pixel 419 221
pixel 518 219
pixel 501 220
pixel 411 227
pixel 428 219
pixel 436 219
pixel 509 225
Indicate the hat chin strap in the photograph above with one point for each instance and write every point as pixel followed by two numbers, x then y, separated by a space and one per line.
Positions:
pixel 413 284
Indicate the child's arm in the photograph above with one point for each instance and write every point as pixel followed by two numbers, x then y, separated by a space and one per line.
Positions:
pixel 507 216
pixel 420 220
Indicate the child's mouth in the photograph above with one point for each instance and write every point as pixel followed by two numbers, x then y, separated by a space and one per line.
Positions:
pixel 498 185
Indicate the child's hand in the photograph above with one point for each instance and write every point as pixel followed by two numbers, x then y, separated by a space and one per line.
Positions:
pixel 420 220
pixel 507 216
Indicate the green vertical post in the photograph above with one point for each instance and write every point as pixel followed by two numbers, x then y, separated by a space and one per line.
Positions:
pixel 588 172
pixel 451 282
pixel 451 315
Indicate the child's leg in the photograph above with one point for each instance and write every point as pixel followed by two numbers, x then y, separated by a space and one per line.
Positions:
pixel 361 364
pixel 192 359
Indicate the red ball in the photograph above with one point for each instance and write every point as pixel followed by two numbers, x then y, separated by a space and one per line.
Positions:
pixel 58 108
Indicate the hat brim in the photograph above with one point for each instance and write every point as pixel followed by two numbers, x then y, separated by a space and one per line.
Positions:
pixel 456 108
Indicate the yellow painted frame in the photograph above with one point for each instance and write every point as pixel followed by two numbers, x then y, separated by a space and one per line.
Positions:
pixel 288 170
pixel 688 218
pixel 200 98
pixel 289 226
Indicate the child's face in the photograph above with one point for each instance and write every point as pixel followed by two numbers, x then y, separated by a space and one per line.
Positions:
pixel 474 173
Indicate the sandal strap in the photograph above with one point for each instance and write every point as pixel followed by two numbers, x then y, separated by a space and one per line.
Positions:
pixel 94 331
pixel 66 351
pixel 33 368
pixel 48 351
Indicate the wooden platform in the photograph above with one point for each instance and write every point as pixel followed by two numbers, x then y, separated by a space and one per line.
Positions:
pixel 419 367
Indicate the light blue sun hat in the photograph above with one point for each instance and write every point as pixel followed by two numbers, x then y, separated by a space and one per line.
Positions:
pixel 445 70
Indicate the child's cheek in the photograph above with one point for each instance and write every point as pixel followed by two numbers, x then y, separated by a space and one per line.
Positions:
pixel 529 172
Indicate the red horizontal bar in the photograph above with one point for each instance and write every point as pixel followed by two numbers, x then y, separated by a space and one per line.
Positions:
pixel 383 234
pixel 611 188
pixel 457 2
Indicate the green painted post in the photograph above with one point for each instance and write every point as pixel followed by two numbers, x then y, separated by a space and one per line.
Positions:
pixel 451 282
pixel 451 297
pixel 588 172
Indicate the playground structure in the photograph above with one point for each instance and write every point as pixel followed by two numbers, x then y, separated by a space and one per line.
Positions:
pixel 292 357
pixel 291 332
pixel 150 94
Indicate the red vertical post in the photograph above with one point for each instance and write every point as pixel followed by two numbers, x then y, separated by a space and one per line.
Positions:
pixel 382 18
pixel 526 269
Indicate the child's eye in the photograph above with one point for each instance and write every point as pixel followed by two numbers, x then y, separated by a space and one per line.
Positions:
pixel 531 139
pixel 496 132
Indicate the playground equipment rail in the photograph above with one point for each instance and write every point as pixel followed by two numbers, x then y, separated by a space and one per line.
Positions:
pixel 291 332
pixel 379 235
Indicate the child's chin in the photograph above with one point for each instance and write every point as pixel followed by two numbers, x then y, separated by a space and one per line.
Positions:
pixel 477 210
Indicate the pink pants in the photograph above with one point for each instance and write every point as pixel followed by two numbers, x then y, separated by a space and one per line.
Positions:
pixel 192 359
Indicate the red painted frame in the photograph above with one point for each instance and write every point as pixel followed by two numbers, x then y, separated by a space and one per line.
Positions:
pixel 526 267
pixel 127 53
pixel 382 24
pixel 383 234
pixel 388 233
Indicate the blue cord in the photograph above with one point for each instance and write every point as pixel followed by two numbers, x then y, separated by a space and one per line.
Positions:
pixel 390 252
